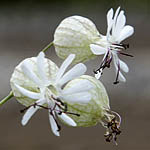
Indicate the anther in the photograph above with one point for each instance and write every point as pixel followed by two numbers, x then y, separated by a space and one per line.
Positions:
pixel 58 126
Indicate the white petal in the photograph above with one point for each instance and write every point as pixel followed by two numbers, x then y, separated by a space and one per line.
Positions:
pixel 109 20
pixel 27 70
pixel 110 16
pixel 53 125
pixel 30 112
pixel 28 93
pixel 64 66
pixel 123 66
pixel 121 77
pixel 41 67
pixel 125 33
pixel 67 119
pixel 115 19
pixel 82 86
pixel 83 97
pixel 28 115
pixel 121 20
pixel 116 61
pixel 97 50
pixel 98 75
pixel 75 72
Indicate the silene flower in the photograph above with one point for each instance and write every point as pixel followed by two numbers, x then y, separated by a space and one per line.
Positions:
pixel 79 35
pixel 38 83
pixel 77 100
pixel 97 110
pixel 110 45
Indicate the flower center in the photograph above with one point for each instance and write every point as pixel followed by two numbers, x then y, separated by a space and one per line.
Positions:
pixel 54 105
pixel 112 48
pixel 52 90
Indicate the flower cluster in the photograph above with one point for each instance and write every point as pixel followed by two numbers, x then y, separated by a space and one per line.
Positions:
pixel 69 95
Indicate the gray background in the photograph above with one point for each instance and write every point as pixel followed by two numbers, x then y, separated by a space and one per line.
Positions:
pixel 27 27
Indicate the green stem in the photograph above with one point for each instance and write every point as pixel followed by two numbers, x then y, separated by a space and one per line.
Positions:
pixel 47 47
pixel 3 101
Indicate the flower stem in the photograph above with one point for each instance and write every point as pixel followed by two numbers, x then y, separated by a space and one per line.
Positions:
pixel 3 101
pixel 47 47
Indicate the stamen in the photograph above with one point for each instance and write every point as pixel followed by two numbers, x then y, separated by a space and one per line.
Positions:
pixel 105 63
pixel 116 81
pixel 121 46
pixel 62 108
pixel 125 46
pixel 23 110
pixel 61 104
pixel 126 54
pixel 26 108
pixel 78 115
pixel 58 126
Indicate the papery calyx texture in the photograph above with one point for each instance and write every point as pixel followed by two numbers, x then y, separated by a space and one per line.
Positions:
pixel 19 78
pixel 74 35
pixel 38 84
pixel 95 111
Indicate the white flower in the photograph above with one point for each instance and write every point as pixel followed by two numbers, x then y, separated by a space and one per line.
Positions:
pixel 51 94
pixel 110 45
pixel 97 110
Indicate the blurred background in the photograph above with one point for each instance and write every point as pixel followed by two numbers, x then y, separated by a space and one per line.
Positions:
pixel 28 26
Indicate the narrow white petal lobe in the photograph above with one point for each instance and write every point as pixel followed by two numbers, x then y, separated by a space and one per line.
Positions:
pixel 121 77
pixel 27 70
pixel 75 72
pixel 82 86
pixel 83 97
pixel 64 66
pixel 123 66
pixel 126 32
pixel 97 50
pixel 121 20
pixel 53 125
pixel 30 112
pixel 98 75
pixel 28 93
pixel 109 21
pixel 67 119
pixel 41 67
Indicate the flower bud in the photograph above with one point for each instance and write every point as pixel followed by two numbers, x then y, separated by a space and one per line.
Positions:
pixel 74 35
